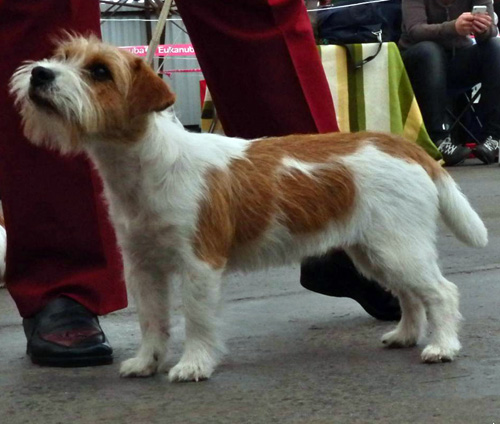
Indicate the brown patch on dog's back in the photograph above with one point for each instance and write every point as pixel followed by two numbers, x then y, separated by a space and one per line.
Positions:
pixel 309 203
pixel 399 147
pixel 315 148
pixel 215 230
pixel 305 147
pixel 260 190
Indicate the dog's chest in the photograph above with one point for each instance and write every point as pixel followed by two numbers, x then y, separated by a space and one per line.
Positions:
pixel 152 208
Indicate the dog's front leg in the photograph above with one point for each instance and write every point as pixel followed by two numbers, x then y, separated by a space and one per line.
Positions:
pixel 203 348
pixel 149 286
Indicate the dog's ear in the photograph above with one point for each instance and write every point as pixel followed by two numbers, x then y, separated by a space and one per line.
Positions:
pixel 148 93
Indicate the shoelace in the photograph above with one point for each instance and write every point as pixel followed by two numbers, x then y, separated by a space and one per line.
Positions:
pixel 491 144
pixel 447 147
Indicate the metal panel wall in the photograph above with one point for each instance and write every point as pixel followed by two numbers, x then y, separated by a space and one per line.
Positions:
pixel 130 30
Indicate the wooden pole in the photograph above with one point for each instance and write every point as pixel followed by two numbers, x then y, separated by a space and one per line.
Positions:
pixel 160 26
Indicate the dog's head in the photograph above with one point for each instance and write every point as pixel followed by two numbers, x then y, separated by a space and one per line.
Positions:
pixel 87 90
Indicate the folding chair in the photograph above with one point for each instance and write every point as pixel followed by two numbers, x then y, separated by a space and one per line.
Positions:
pixel 465 123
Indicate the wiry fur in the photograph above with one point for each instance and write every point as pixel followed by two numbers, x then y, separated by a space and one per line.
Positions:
pixel 199 205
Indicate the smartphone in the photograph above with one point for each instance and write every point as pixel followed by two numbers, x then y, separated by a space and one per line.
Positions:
pixel 479 9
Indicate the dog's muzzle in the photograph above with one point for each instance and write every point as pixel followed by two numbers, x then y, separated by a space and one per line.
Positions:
pixel 41 77
pixel 40 82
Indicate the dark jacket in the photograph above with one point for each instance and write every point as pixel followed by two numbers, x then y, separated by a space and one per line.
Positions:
pixel 434 20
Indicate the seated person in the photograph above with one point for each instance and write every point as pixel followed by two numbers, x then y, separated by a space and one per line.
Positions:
pixel 440 54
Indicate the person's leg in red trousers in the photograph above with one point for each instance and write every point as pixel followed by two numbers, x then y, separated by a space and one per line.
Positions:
pixel 60 242
pixel 264 73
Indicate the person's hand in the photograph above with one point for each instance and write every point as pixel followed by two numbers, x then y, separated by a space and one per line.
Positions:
pixel 481 23
pixel 464 23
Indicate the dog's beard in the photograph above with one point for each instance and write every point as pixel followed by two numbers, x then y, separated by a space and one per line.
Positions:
pixel 57 115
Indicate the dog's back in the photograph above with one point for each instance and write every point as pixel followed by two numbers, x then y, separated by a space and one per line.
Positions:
pixel 300 195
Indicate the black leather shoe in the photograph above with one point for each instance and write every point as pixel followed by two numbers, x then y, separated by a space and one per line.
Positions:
pixel 66 334
pixel 336 275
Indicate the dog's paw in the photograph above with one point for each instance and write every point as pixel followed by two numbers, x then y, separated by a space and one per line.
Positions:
pixel 138 367
pixel 435 354
pixel 397 339
pixel 194 370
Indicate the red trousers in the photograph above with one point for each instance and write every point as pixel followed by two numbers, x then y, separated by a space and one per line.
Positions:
pixel 261 65
pixel 60 241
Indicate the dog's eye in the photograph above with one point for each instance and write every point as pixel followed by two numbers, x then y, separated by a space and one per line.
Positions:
pixel 100 72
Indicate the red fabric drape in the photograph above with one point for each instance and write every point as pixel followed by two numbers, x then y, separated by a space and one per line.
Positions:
pixel 261 65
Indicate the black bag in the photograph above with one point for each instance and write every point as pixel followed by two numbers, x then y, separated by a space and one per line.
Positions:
pixel 360 21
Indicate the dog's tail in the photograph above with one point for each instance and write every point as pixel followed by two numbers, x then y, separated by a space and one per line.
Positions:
pixel 458 214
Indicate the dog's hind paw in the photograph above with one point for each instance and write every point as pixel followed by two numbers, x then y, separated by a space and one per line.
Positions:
pixel 394 339
pixel 190 371
pixel 138 367
pixel 435 354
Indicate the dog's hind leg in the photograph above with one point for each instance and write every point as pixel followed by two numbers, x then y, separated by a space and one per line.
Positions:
pixel 203 347
pixel 150 289
pixel 412 269
pixel 412 323
pixel 444 318
pixel 440 299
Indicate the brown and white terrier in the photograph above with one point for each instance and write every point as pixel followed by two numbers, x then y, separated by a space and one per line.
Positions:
pixel 200 205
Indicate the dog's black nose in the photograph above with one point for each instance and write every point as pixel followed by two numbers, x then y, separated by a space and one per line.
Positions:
pixel 41 76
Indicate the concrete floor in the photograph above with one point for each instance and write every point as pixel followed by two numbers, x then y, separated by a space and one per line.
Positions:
pixel 295 356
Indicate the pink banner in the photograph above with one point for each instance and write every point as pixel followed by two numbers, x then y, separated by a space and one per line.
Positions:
pixel 169 72
pixel 163 50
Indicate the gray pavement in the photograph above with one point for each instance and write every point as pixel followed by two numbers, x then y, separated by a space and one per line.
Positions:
pixel 295 356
